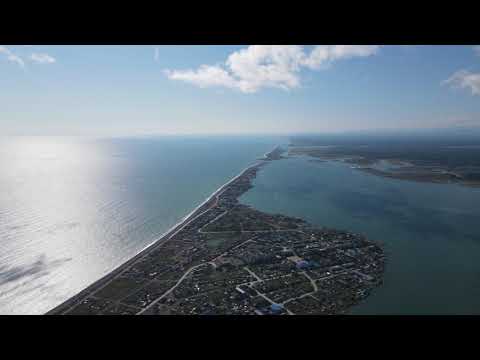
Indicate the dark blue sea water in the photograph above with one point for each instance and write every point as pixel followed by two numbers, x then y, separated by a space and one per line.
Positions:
pixel 431 232
pixel 71 210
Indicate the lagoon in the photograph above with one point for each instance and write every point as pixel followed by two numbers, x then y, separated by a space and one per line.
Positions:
pixel 430 231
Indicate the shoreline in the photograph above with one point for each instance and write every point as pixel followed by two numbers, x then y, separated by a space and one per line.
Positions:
pixel 165 237
pixel 229 258
pixel 415 173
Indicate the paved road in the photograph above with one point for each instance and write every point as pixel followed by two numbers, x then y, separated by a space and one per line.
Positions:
pixel 172 288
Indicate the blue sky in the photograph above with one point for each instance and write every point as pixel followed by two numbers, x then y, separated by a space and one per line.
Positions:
pixel 148 90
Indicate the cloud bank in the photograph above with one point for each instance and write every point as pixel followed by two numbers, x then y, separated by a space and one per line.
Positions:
pixel 268 66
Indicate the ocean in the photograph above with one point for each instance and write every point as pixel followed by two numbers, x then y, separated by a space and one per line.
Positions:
pixel 72 210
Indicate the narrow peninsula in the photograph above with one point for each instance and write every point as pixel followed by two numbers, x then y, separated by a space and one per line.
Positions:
pixel 228 258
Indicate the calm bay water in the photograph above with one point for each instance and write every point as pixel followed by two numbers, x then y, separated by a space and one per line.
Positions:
pixel 431 232
pixel 72 210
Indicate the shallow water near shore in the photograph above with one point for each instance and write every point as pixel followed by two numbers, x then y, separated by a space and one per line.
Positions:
pixel 430 231
pixel 72 210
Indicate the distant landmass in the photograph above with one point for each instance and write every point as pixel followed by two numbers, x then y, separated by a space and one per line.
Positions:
pixel 437 157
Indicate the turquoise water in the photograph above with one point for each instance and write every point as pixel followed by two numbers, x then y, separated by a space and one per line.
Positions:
pixel 431 232
pixel 71 210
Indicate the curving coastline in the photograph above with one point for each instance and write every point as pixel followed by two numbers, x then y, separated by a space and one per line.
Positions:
pixel 228 258
pixel 170 233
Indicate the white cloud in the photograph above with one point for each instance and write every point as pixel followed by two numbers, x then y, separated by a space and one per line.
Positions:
pixel 268 66
pixel 205 76
pixel 42 58
pixel 326 54
pixel 11 56
pixel 156 54
pixel 466 80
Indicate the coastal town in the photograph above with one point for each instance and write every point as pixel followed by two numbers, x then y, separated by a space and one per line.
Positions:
pixel 228 258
